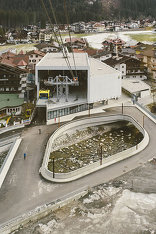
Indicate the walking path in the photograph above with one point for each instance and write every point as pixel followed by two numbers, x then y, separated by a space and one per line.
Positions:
pixel 24 189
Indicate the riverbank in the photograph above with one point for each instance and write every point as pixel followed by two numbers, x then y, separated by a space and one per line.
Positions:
pixel 124 205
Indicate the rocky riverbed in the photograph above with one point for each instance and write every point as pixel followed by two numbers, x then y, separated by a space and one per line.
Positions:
pixel 76 150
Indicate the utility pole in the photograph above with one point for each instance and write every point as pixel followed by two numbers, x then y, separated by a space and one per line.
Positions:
pixel 122 108
pixel 143 121
pixel 101 155
pixel 53 167
pixel 99 152
pixel 89 111
pixel 58 121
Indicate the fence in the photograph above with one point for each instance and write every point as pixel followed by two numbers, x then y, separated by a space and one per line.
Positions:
pixel 146 110
pixel 18 125
pixel 8 160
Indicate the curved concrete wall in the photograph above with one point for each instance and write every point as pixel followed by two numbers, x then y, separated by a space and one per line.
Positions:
pixel 87 122
pixel 8 160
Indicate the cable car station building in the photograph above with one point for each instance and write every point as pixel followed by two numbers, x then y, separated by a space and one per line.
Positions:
pixel 67 85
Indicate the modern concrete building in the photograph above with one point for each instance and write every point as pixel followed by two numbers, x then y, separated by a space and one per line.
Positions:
pixel 75 82
pixel 137 88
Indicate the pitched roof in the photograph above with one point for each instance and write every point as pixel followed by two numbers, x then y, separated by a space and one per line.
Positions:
pixel 149 53
pixel 78 51
pixel 17 70
pixel 74 40
pixel 15 60
pixel 121 59
pixel 117 41
pixel 36 52
pixel 21 57
pixel 116 60
pixel 22 63
pixel 44 45
pixel 10 100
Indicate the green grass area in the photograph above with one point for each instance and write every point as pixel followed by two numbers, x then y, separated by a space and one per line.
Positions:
pixel 18 47
pixel 143 37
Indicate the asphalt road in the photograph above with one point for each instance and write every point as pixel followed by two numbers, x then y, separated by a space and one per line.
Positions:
pixel 24 189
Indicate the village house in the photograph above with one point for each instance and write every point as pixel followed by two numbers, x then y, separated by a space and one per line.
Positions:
pixel 12 79
pixel 20 60
pixel 113 45
pixel 48 47
pixel 147 54
pixel 149 59
pixel 34 57
pixel 45 36
pixel 78 27
pixel 78 43
pixel 129 67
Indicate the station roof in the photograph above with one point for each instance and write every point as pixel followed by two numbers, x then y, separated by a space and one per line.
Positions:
pixel 100 68
pixel 56 61
pixel 134 86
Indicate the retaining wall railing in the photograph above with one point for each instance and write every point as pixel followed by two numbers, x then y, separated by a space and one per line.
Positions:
pixel 83 123
pixel 146 110
pixel 8 160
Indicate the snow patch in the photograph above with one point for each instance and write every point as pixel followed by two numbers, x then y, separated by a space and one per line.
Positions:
pixel 50 225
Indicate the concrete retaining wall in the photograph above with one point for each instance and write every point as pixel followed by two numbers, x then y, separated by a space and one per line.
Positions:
pixel 6 144
pixel 146 112
pixel 8 160
pixel 83 123
pixel 40 212
pixel 14 127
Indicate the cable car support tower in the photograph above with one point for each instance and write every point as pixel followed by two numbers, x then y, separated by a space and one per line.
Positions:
pixel 62 85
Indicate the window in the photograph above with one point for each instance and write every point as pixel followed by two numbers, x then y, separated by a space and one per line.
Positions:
pixel 55 114
pixel 31 56
pixel 34 60
pixel 36 56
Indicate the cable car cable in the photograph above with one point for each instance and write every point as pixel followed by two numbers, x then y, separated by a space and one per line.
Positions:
pixel 66 55
pixel 67 19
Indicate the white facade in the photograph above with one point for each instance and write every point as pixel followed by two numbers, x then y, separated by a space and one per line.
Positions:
pixel 103 79
pixel 104 82
pixel 34 59
pixel 122 68
pixel 49 49
pixel 101 83
pixel 104 57
pixel 130 74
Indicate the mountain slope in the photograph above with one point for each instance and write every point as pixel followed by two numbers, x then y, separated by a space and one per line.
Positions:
pixel 23 12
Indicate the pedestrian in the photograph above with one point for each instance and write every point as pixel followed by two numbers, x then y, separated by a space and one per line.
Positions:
pixel 24 155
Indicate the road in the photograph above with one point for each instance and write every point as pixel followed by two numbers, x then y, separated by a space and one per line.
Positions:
pixel 24 189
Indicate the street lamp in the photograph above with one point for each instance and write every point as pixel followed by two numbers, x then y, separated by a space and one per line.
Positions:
pixel 53 167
